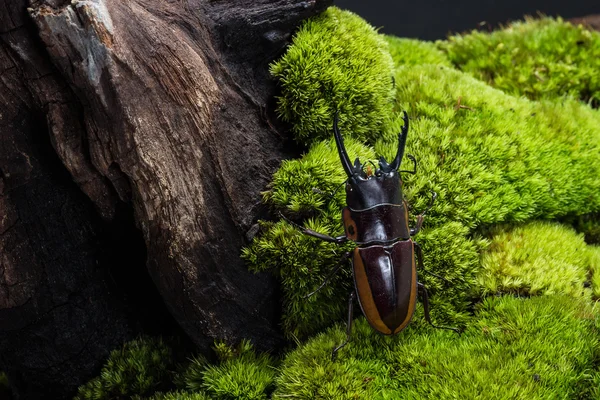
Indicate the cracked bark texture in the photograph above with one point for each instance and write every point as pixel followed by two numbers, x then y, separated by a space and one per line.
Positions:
pixel 161 105
pixel 58 318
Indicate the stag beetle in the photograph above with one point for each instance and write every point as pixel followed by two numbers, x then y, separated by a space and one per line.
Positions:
pixel 383 261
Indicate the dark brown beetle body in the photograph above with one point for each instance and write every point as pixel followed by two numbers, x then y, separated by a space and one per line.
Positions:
pixel 385 259
pixel 385 276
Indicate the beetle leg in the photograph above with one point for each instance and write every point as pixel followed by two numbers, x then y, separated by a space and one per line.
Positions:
pixel 310 232
pixel 414 170
pixel 426 309
pixel 419 254
pixel 348 326
pixel 345 257
pixel 421 216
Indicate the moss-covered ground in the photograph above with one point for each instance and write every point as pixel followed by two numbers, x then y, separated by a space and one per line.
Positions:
pixel 504 129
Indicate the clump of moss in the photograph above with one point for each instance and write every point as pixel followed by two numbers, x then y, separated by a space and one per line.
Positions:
pixel 241 373
pixel 140 367
pixel 406 51
pixel 145 369
pixel 538 58
pixel 494 158
pixel 533 348
pixel 539 258
pixel 337 62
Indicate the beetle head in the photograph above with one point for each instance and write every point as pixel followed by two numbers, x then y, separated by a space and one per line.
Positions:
pixel 368 189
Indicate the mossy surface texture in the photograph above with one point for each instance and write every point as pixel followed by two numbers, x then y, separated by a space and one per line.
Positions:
pixel 501 154
pixel 492 158
pixel 328 69
pixel 538 348
pixel 544 58
pixel 504 130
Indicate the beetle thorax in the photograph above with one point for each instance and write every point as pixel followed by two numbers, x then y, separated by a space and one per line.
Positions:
pixel 364 192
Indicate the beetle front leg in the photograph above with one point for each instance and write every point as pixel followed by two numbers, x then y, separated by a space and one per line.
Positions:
pixel 421 216
pixel 414 170
pixel 348 326
pixel 426 309
pixel 310 232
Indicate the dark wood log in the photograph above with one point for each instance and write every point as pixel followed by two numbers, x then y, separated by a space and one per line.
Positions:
pixel 165 106
pixel 58 316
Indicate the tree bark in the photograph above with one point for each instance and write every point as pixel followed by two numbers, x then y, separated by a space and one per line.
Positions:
pixel 165 106
pixel 57 316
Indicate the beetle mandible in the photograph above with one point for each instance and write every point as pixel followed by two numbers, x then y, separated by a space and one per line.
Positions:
pixel 385 259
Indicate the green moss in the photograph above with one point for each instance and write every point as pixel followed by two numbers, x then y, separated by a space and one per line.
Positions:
pixel 337 62
pixel 449 251
pixel 494 158
pixel 497 159
pixel 406 51
pixel 542 58
pixel 538 348
pixel 594 254
pixel 539 258
pixel 191 374
pixel 302 188
pixel 140 367
pixel 240 374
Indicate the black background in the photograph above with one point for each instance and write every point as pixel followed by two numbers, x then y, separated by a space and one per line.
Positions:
pixel 434 19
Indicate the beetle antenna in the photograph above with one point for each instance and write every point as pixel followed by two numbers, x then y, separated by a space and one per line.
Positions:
pixel 332 195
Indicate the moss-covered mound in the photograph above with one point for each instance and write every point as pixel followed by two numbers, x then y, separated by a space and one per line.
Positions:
pixel 537 259
pixel 145 369
pixel 241 373
pixel 139 368
pixel 543 58
pixel 492 158
pixel 538 348
pixel 337 62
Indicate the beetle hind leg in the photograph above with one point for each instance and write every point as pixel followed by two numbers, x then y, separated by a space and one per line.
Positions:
pixel 419 254
pixel 426 309
pixel 348 326
pixel 344 258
